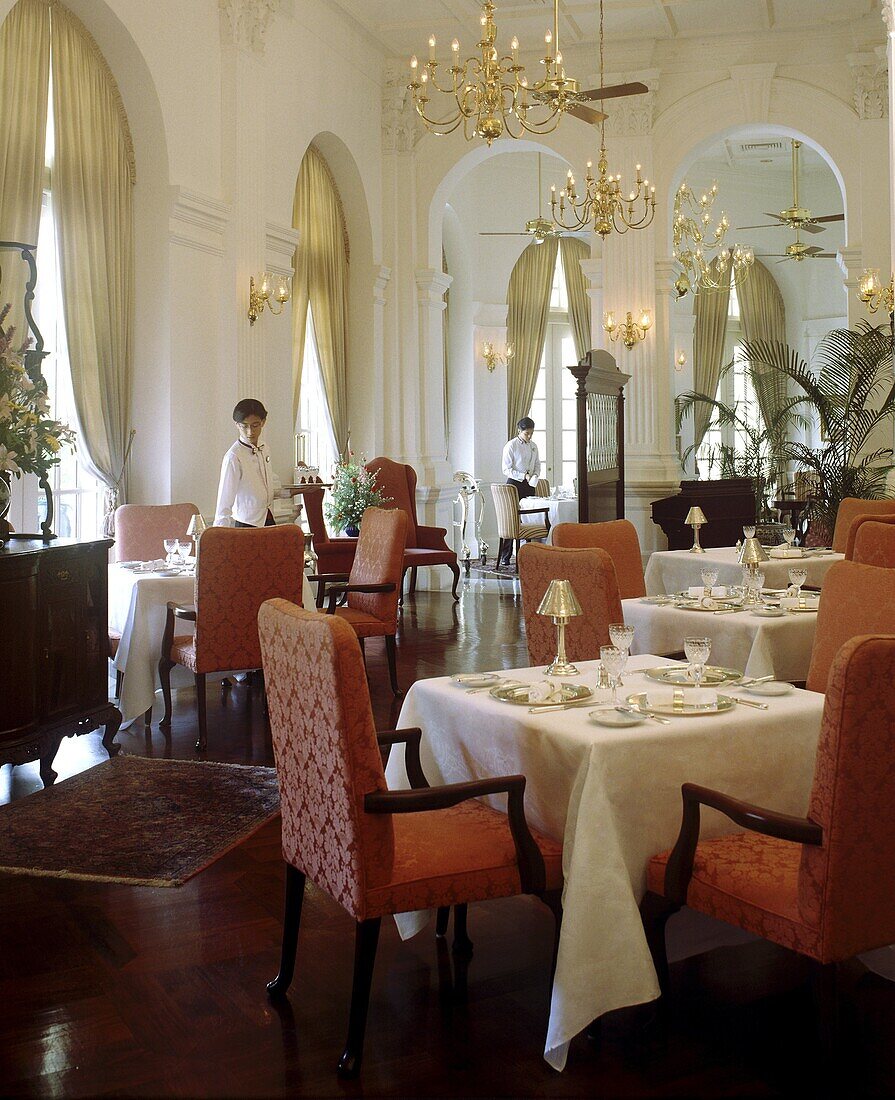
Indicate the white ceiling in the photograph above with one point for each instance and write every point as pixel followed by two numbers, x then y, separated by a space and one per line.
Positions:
pixel 404 28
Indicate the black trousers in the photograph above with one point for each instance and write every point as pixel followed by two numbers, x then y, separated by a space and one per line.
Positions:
pixel 524 489
pixel 268 522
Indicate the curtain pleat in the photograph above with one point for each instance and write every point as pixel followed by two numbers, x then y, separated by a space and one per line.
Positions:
pixel 708 347
pixel 321 282
pixel 573 252
pixel 528 302
pixel 24 82
pixel 93 195
pixel 763 316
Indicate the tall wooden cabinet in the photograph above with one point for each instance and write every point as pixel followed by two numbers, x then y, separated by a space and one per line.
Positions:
pixel 53 661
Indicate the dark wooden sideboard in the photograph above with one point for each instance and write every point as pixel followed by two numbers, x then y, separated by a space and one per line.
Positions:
pixel 728 504
pixel 53 661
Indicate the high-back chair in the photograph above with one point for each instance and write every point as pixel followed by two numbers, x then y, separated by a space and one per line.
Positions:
pixel 141 529
pixel 819 885
pixel 855 599
pixel 849 510
pixel 542 489
pixel 374 584
pixel 875 543
pixel 239 568
pixel 856 525
pixel 510 527
pixel 592 577
pixel 618 537
pixel 374 851
pixel 334 555
pixel 424 545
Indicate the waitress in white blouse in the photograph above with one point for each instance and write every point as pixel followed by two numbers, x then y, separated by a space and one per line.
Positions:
pixel 246 493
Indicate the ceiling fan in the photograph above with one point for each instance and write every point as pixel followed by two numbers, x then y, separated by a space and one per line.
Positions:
pixel 799 251
pixel 540 227
pixel 797 217
pixel 611 91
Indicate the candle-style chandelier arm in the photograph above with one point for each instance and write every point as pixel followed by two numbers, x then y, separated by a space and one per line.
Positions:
pixel 707 263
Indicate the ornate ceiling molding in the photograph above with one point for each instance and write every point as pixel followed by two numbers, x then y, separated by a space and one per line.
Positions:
pixel 889 14
pixel 402 127
pixel 633 115
pixel 753 83
pixel 870 72
pixel 244 23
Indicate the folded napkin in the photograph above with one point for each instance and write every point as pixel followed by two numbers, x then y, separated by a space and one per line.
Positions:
pixel 696 590
pixel 809 599
pixel 152 566
pixel 664 697
pixel 785 552
pixel 544 692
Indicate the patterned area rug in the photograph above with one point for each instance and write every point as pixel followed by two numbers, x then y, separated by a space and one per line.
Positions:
pixel 136 821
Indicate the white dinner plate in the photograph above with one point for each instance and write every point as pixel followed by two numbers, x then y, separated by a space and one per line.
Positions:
pixel 609 716
pixel 769 687
pixel 477 679
pixel 166 573
pixel 769 612
pixel 128 564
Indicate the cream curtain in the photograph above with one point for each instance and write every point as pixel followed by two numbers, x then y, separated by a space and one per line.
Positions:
pixel 573 252
pixel 528 302
pixel 24 80
pixel 93 179
pixel 710 326
pixel 321 281
pixel 763 317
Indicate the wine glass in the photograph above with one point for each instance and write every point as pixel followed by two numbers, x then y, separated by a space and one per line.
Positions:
pixel 183 549
pixel 789 533
pixel 612 658
pixel 749 531
pixel 621 635
pixel 798 578
pixel 697 651
pixel 709 577
pixel 170 550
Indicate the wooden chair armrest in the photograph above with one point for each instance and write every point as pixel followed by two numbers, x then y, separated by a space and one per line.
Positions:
pixel 431 538
pixel 327 578
pixel 756 819
pixel 174 611
pixel 537 511
pixel 411 739
pixel 183 612
pixel 342 588
pixel 532 873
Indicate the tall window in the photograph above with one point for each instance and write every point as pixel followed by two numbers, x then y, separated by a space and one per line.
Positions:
pixel 553 403
pixel 313 415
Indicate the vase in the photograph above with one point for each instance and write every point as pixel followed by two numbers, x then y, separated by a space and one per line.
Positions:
pixel 352 530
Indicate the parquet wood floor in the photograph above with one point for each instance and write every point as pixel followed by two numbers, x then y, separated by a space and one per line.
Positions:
pixel 128 991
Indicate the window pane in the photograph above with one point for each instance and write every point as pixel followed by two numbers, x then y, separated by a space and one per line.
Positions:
pixel 313 412
pixel 569 445
pixel 569 414
pixel 541 385
pixel 569 473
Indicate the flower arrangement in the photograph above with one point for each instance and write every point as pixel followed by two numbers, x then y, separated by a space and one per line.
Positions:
pixel 354 490
pixel 30 440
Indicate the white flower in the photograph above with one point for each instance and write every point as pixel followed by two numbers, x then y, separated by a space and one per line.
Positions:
pixel 7 460
pixel 42 404
pixel 5 407
pixel 26 383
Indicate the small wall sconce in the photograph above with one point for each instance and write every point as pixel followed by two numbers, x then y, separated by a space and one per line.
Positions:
pixel 872 292
pixel 273 291
pixel 680 362
pixel 630 331
pixel 493 356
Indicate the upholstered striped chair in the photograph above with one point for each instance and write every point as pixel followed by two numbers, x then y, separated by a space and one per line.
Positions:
pixel 849 510
pixel 141 529
pixel 874 542
pixel 510 527
pixel 542 489
pixel 856 525
pixel 592 576
pixel 374 851
pixel 819 885
pixel 618 537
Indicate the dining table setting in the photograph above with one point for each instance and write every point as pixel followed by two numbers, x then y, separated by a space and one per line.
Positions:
pixel 677 570
pixel 605 751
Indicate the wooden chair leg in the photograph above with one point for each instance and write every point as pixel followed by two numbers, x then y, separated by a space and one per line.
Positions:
pixel 164 675
pixel 202 742
pixel 147 717
pixel 295 895
pixel 553 900
pixel 654 912
pixel 516 544
pixel 500 545
pixel 366 942
pixel 119 680
pixel 462 945
pixel 826 1003
pixel 441 920
pixel 413 572
pixel 455 569
pixel 401 589
pixel 392 665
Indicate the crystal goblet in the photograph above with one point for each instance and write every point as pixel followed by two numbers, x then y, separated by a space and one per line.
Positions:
pixel 789 533
pixel 621 635
pixel 697 651
pixel 798 578
pixel 613 659
pixel 170 550
pixel 709 577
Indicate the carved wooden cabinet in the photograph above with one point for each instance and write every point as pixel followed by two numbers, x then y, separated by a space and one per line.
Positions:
pixel 53 663
pixel 728 504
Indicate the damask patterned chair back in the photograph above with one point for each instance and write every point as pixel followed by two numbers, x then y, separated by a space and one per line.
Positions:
pixel 398 481
pixel 845 885
pixel 238 570
pixel 876 546
pixel 326 753
pixel 849 510
pixel 618 537
pixel 855 599
pixel 592 577
pixel 141 529
pixel 380 560
pixel 313 505
pixel 506 506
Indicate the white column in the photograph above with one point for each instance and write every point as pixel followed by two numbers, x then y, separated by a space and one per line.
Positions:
pixel 431 286
pixel 593 273
pixel 851 263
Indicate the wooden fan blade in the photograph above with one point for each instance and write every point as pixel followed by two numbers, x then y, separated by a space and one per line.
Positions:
pixel 810 227
pixel 616 91
pixel 770 256
pixel 831 218
pixel 812 251
pixel 508 233
pixel 771 225
pixel 824 255
pixel 779 217
pixel 586 114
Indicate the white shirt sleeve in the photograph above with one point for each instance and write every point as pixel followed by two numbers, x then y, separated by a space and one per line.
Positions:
pixel 535 463
pixel 230 475
pixel 513 463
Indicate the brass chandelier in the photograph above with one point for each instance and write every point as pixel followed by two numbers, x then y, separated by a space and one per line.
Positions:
pixel 603 207
pixel 695 242
pixel 491 94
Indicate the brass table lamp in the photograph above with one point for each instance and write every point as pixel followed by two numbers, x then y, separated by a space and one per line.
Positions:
pixel 751 557
pixel 696 519
pixel 561 603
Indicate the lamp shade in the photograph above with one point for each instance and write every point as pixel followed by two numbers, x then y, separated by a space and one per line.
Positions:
pixel 560 600
pixel 695 515
pixel 752 553
pixel 196 525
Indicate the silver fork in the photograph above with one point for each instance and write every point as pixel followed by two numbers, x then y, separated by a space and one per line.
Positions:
pixel 490 687
pixel 644 714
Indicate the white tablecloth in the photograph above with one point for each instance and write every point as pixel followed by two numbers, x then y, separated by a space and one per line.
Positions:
pixel 137 610
pixel 675 570
pixel 750 643
pixel 613 797
pixel 562 510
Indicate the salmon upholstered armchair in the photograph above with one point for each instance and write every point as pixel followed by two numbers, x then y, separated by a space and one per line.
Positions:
pixel 374 851
pixel 373 585
pixel 820 885
pixel 875 543
pixel 618 537
pixel 510 527
pixel 855 599
pixel 592 577
pixel 334 555
pixel 424 545
pixel 855 529
pixel 141 529
pixel 239 568
pixel 849 510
